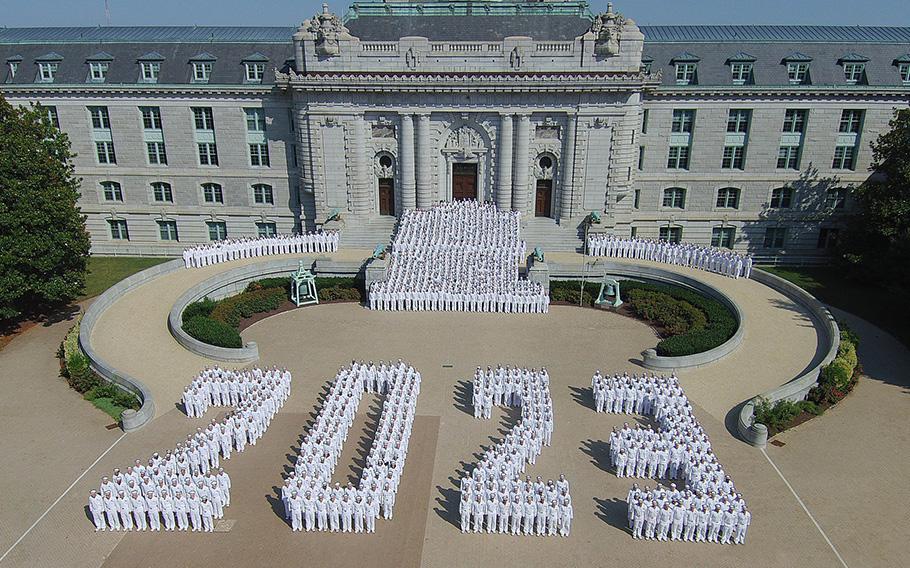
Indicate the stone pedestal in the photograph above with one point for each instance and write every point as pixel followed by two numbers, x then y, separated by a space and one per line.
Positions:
pixel 376 271
pixel 539 272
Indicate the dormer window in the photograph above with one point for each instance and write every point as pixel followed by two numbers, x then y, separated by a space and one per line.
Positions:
pixel 47 70
pixel 646 64
pixel 13 68
pixel 853 73
pixel 904 70
pixel 255 71
pixel 202 70
pixel 149 71
pixel 97 70
pixel 742 73
pixel 798 73
pixel 685 73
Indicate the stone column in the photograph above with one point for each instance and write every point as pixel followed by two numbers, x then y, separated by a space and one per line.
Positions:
pixel 408 182
pixel 361 202
pixel 521 165
pixel 567 191
pixel 504 177
pixel 424 173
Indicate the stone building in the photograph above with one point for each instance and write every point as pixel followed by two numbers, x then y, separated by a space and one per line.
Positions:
pixel 740 136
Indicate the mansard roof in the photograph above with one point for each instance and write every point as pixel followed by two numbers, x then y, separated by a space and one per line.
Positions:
pixel 469 28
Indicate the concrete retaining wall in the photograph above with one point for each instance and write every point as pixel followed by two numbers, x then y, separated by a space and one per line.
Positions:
pixel 131 420
pixel 796 389
pixel 650 358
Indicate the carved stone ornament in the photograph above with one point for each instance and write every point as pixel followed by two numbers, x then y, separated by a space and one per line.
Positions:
pixel 607 29
pixel 464 141
pixel 515 58
pixel 412 58
pixel 384 165
pixel 547 132
pixel 327 29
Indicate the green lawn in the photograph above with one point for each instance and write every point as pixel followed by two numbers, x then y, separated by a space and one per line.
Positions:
pixel 886 308
pixel 109 407
pixel 105 271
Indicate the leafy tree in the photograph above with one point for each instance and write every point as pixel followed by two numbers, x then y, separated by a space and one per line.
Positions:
pixel 43 242
pixel 877 242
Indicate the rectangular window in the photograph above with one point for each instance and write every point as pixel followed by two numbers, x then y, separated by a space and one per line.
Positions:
pixel 262 194
pixel 683 120
pixel 97 70
pixel 217 230
pixel 727 198
pixel 827 238
pixel 798 73
pixel 167 230
pixel 781 198
pixel 851 121
pixel 208 154
pixel 112 191
pixel 836 198
pixel 13 69
pixel 266 229
pixel 641 158
pixel 202 71
pixel 685 73
pixel 52 116
pixel 203 119
pixel 149 71
pixel 853 73
pixel 795 120
pixel 678 158
pixel 734 157
pixel 738 120
pixel 742 73
pixel 119 231
pixel 674 197
pixel 46 72
pixel 671 234
pixel 156 153
pixel 254 72
pixel 294 155
pixel 903 70
pixel 775 237
pixel 843 158
pixel 255 119
pixel 788 158
pixel 644 121
pixel 212 193
pixel 636 201
pixel 162 192
pixel 105 152
pixel 100 118
pixel 259 155
pixel 151 118
pixel 723 237
pixel 633 232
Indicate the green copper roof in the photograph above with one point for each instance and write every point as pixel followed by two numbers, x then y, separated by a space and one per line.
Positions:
pixel 468 8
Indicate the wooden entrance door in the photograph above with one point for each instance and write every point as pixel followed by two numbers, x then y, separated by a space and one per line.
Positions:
pixel 544 198
pixel 386 196
pixel 464 181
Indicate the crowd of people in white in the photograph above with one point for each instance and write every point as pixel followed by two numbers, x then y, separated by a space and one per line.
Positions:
pixel 713 259
pixel 458 256
pixel 494 498
pixel 310 500
pixel 708 508
pixel 249 247
pixel 187 488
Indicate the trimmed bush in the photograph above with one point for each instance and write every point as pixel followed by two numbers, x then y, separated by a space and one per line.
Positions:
pixel 778 416
pixel 337 293
pixel 676 316
pixel 232 310
pixel 203 307
pixel 79 375
pixel 213 332
pixel 282 282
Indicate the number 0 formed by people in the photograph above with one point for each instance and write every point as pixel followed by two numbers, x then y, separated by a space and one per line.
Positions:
pixel 493 496
pixel 311 502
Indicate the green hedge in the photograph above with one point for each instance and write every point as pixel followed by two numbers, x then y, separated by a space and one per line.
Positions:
pixel 676 316
pixel 203 307
pixel 837 379
pixel 719 322
pixel 779 416
pixel 235 308
pixel 213 332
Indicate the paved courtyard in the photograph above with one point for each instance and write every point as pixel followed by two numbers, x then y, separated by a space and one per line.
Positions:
pixel 855 510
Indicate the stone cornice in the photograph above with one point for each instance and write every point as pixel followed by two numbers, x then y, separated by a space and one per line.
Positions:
pixel 467 82
pixel 776 91
pixel 142 89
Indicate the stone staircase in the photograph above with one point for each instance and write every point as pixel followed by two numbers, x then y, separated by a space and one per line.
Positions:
pixel 366 233
pixel 551 237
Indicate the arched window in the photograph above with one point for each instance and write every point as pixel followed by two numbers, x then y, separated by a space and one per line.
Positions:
pixel 162 192
pixel 781 198
pixel 728 198
pixel 212 193
pixel 112 191
pixel 262 194
pixel 674 197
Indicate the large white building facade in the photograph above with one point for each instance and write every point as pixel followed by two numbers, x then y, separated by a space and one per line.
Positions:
pixel 741 136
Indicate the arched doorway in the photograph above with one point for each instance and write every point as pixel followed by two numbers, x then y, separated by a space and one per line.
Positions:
pixel 544 170
pixel 385 183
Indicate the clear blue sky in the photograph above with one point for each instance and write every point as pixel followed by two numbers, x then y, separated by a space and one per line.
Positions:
pixel 16 13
